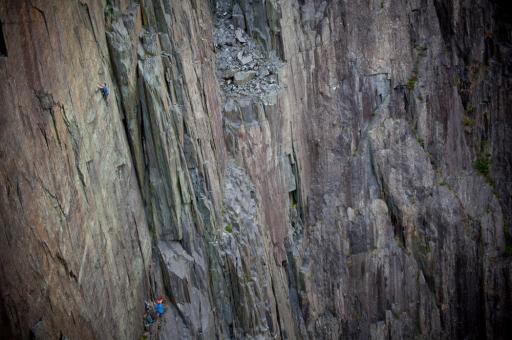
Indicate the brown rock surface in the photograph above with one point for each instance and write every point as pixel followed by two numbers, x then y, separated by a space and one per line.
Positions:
pixel 75 246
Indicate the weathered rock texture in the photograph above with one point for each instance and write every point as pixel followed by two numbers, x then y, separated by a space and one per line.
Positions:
pixel 292 169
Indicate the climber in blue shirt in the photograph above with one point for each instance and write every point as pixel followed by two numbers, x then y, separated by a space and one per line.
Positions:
pixel 104 90
pixel 159 306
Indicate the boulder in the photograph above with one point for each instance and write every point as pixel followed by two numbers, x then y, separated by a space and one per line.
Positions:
pixel 244 77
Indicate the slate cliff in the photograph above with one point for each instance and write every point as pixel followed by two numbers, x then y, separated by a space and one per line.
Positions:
pixel 291 169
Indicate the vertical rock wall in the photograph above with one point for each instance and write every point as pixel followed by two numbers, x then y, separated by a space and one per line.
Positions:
pixel 389 136
pixel 75 245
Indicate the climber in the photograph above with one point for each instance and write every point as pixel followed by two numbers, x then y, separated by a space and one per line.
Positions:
pixel 159 306
pixel 148 319
pixel 104 90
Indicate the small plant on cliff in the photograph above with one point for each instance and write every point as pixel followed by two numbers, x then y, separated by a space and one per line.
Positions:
pixel 482 164
pixel 421 142
pixel 109 13
pixel 411 83
pixel 508 250
pixel 349 263
pixel 446 185
pixel 468 121
pixel 229 229
pixel 470 109
pixel 508 241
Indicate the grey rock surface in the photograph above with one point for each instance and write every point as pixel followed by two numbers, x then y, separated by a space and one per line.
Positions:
pixel 243 77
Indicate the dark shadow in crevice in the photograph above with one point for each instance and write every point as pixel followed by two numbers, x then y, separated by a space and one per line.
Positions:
pixel 3 45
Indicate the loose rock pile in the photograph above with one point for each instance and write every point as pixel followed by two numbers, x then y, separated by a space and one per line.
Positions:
pixel 244 67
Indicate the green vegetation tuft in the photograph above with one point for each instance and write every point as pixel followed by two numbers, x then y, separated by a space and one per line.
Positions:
pixel 468 121
pixel 508 237
pixel 421 142
pixel 247 278
pixel 470 109
pixel 508 241
pixel 349 263
pixel 411 83
pixel 456 80
pixel 152 232
pixel 482 164
pixel 446 185
pixel 228 228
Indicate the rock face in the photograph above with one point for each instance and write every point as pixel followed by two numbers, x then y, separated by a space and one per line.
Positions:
pixel 291 169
